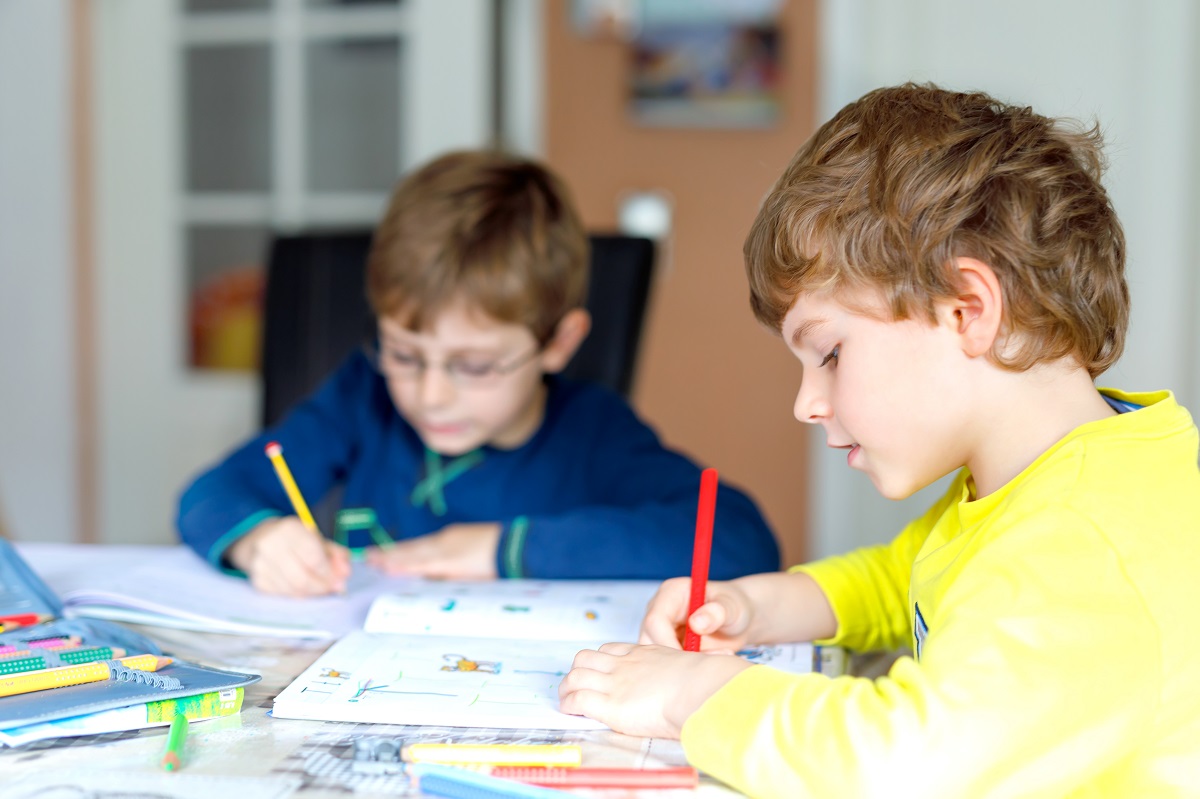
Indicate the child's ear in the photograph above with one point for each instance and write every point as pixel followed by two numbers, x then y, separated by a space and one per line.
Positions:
pixel 572 329
pixel 977 312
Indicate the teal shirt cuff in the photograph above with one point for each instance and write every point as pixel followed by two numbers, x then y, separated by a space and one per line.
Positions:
pixel 511 553
pixel 216 555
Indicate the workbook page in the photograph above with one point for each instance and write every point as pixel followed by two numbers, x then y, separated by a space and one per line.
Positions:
pixel 431 679
pixel 459 681
pixel 564 610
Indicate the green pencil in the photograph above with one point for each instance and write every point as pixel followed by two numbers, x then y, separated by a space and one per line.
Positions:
pixel 71 657
pixel 17 665
pixel 90 654
pixel 172 758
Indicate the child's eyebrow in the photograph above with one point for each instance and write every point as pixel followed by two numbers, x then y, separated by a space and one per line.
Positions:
pixel 805 329
pixel 465 349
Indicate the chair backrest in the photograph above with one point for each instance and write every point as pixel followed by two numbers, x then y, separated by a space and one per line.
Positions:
pixel 316 312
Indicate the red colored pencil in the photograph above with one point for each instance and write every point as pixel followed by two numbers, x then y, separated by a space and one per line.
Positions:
pixel 22 620
pixel 705 510
pixel 681 777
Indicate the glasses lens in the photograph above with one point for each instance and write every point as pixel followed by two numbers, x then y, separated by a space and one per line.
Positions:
pixel 463 372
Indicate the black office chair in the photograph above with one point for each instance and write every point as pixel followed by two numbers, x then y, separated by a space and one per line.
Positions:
pixel 316 312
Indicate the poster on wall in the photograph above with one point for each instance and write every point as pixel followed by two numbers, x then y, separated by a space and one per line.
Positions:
pixel 705 63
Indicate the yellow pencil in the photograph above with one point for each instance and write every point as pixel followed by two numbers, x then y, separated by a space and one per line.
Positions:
pixel 30 681
pixel 275 453
pixel 494 754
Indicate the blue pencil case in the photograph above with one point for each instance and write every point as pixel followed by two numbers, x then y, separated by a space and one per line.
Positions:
pixel 22 592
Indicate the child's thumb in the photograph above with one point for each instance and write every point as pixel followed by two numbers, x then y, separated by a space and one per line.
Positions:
pixel 707 618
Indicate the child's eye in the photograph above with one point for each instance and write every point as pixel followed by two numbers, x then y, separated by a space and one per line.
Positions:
pixel 405 359
pixel 471 368
pixel 832 356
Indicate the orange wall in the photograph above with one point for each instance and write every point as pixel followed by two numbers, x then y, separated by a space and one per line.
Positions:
pixel 711 380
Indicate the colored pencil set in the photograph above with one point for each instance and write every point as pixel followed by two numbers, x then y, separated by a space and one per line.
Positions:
pixel 42 663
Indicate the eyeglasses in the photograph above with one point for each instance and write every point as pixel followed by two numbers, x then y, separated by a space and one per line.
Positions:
pixel 465 371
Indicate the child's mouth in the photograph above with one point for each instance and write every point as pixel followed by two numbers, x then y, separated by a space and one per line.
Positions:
pixel 854 450
pixel 444 429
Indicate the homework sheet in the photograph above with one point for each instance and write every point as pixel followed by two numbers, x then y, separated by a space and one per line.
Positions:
pixel 479 655
pixel 433 679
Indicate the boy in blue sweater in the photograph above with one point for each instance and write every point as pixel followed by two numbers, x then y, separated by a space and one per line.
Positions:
pixel 453 435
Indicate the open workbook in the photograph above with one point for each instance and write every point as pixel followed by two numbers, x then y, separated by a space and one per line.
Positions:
pixel 173 587
pixel 483 655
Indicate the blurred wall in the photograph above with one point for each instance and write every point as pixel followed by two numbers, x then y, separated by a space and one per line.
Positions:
pixel 38 443
pixel 711 380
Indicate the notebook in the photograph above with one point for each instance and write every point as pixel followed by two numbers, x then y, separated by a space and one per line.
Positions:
pixel 484 655
pixel 171 586
pixel 22 591
pixel 198 707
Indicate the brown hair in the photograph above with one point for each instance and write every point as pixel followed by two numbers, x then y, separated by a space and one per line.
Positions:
pixel 899 183
pixel 492 229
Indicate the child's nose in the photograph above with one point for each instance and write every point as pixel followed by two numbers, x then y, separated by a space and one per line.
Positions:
pixel 811 405
pixel 437 388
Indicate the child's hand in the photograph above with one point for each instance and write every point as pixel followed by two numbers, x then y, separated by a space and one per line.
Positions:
pixel 644 690
pixel 282 556
pixel 722 621
pixel 456 552
pixel 757 609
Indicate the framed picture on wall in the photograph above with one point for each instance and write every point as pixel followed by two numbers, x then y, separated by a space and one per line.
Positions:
pixel 706 63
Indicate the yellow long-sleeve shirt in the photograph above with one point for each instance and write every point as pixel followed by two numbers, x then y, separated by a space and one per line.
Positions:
pixel 1057 630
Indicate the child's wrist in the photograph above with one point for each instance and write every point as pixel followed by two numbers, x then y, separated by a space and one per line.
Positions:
pixel 239 554
pixel 242 552
pixel 710 674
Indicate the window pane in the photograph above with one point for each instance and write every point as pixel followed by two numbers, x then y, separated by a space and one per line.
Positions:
pixel 343 3
pixel 227 5
pixel 226 278
pixel 353 114
pixel 228 124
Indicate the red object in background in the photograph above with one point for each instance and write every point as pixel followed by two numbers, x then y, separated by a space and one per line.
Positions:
pixel 226 319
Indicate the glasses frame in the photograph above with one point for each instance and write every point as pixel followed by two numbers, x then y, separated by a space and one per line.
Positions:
pixel 496 371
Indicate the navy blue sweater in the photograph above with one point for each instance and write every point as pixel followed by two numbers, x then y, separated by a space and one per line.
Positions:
pixel 593 494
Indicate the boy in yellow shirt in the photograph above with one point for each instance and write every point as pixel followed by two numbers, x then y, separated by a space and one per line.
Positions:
pixel 949 272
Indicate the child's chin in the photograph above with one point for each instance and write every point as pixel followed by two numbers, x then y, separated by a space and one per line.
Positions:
pixel 894 490
pixel 451 447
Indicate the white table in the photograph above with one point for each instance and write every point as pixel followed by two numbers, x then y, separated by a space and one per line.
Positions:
pixel 251 754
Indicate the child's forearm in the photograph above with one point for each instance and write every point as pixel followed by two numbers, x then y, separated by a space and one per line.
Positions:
pixel 787 607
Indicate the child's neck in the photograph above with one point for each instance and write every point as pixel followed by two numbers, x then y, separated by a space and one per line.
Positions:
pixel 1030 412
